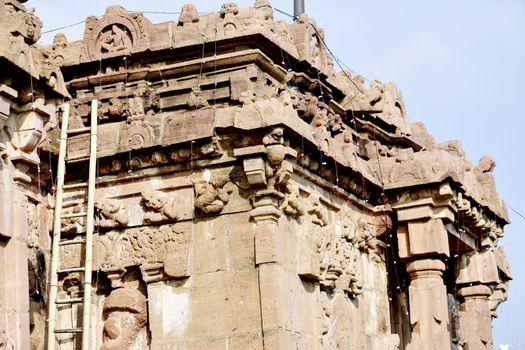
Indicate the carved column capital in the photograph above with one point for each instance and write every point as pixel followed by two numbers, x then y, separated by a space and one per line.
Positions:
pixel 479 291
pixel 266 214
pixel 114 274
pixel 152 273
pixel 266 206
pixel 425 268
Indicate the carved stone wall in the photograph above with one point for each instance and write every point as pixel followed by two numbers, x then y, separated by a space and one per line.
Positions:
pixel 248 196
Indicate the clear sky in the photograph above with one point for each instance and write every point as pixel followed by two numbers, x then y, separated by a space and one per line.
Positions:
pixel 460 65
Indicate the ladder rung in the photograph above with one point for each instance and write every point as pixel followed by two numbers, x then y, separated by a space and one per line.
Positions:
pixel 69 301
pixel 71 241
pixel 81 157
pixel 77 185
pixel 79 130
pixel 74 215
pixel 71 270
pixel 68 330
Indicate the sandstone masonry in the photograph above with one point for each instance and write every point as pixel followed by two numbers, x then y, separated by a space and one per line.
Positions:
pixel 248 195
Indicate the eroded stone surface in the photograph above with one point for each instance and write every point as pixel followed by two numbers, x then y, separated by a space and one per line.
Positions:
pixel 248 195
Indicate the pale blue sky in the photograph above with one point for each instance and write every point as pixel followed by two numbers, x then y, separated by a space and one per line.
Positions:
pixel 460 65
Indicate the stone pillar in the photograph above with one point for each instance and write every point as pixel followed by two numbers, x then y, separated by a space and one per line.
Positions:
pixel 153 275
pixel 14 289
pixel 423 245
pixel 477 270
pixel 266 214
pixel 474 317
pixel 272 276
pixel 428 305
pixel 14 285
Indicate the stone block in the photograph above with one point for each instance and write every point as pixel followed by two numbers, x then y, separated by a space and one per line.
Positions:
pixel 217 304
pixel 194 344
pixel 6 212
pixel 210 248
pixel 378 312
pixel 288 302
pixel 267 248
pixel 187 127
pixel 280 340
pixel 424 238
pixel 252 341
pixel 478 267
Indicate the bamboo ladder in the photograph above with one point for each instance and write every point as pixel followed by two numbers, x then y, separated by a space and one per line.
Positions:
pixel 87 240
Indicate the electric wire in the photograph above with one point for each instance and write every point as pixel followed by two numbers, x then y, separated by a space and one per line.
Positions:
pixel 515 211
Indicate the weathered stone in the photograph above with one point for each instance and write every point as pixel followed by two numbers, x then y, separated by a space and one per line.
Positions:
pixel 245 198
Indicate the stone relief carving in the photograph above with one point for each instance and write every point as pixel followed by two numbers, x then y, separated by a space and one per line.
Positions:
pixel 125 316
pixel 113 249
pixel 212 194
pixel 53 58
pixel 197 99
pixel 337 248
pixel 182 153
pixel 308 39
pixel 367 241
pixel 293 204
pixel 385 100
pixel 25 132
pixel 228 13
pixel 118 32
pixel 188 14
pixel 158 207
pixel 75 224
pixel 110 213
pixel 276 173
pixel 339 265
pixel 320 128
pixel 22 22
pixel 317 211
pixel 499 291
pixel 168 244
pixel 114 39
pixel 137 132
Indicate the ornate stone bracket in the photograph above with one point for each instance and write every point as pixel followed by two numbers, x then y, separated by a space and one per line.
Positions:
pixel 268 164
pixel 25 133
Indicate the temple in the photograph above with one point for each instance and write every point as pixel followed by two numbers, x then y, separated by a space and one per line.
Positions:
pixel 248 194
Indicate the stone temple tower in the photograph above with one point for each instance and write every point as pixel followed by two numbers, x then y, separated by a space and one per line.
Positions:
pixel 246 196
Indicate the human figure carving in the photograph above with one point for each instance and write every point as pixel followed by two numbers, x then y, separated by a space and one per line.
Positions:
pixel 110 213
pixel 293 204
pixel 159 207
pixel 316 210
pixel 114 40
pixel 211 196
pixel 276 153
